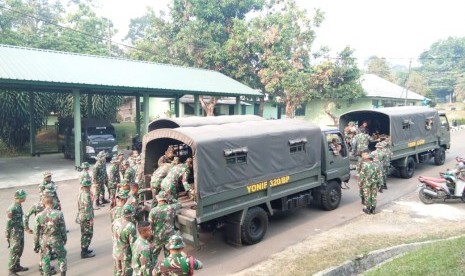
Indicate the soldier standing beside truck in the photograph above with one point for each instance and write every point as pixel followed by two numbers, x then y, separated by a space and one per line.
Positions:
pixel 369 181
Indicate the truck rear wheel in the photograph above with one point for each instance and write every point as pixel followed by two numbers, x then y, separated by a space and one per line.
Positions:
pixel 409 169
pixel 330 196
pixel 255 225
pixel 439 156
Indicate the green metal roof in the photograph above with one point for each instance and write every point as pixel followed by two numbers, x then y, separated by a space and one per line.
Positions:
pixel 44 70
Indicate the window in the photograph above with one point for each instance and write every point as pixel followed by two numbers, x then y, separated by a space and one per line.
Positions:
pixel 297 145
pixel 188 109
pixel 236 156
pixel 406 124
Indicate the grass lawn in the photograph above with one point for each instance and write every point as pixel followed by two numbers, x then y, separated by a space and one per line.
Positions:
pixel 441 258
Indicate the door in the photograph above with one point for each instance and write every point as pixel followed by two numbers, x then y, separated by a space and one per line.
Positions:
pixel 337 157
pixel 444 131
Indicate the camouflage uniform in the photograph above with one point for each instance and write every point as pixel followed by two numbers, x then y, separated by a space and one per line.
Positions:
pixel 117 211
pixel 50 233
pixel 124 235
pixel 100 178
pixel 381 160
pixel 86 217
pixel 48 187
pixel 177 263
pixel 84 176
pixel 130 175
pixel 133 200
pixel 142 260
pixel 369 180
pixel 360 143
pixel 157 177
pixel 113 179
pixel 34 210
pixel 164 160
pixel 14 233
pixel 170 182
pixel 161 219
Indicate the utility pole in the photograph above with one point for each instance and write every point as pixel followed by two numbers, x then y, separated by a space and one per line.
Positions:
pixel 109 38
pixel 406 81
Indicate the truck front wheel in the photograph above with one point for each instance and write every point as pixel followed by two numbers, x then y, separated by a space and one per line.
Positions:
pixel 254 226
pixel 409 169
pixel 439 156
pixel 330 196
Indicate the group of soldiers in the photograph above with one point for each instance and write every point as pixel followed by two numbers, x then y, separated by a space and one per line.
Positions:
pixel 373 166
pixel 133 254
pixel 50 233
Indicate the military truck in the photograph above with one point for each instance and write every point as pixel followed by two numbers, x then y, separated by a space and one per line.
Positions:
pixel 244 172
pixel 97 135
pixel 193 121
pixel 417 134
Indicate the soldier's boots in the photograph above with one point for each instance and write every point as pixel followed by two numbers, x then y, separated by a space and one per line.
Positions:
pixel 372 210
pixel 98 204
pixel 63 273
pixel 366 210
pixel 20 268
pixel 363 200
pixel 85 253
pixel 52 270
pixel 12 273
pixel 385 186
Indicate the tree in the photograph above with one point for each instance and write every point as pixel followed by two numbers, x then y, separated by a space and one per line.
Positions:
pixel 335 82
pixel 380 67
pixel 442 65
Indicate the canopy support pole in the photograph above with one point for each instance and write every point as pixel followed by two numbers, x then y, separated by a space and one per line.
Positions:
pixel 196 105
pixel 138 116
pixel 77 127
pixel 176 107
pixel 32 124
pixel 146 113
pixel 238 106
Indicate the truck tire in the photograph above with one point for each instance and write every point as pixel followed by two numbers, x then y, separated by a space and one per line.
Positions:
pixel 254 226
pixel 439 156
pixel 330 197
pixel 408 171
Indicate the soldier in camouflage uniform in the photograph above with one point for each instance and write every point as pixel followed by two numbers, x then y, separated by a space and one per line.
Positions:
pixel 177 263
pixel 129 173
pixel 360 142
pixel 142 260
pixel 15 233
pixel 388 155
pixel 48 187
pixel 139 178
pixel 159 174
pixel 369 180
pixel 170 182
pixel 50 232
pixel 381 159
pixel 167 158
pixel 161 219
pixel 133 200
pixel 113 180
pixel 35 210
pixel 117 211
pixel 100 179
pixel 86 219
pixel 85 172
pixel 124 235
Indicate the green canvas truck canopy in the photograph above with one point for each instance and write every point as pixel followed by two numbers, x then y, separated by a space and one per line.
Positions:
pixel 234 155
pixel 403 124
pixel 196 121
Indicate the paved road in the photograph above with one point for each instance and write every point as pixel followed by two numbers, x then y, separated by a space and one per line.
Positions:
pixel 218 257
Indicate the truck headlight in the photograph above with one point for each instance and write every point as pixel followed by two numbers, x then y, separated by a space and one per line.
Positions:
pixel 115 148
pixel 90 149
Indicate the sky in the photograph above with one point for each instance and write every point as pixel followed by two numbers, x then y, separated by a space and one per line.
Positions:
pixel 398 30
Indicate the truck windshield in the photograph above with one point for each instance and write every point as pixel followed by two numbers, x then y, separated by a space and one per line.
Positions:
pixel 100 131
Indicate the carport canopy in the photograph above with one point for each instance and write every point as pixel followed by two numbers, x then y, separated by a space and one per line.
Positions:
pixel 37 70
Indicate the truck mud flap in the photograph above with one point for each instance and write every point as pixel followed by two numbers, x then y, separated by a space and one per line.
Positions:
pixel 233 228
pixel 188 228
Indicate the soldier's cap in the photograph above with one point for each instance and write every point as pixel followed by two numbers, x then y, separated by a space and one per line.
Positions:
pixel 123 194
pixel 161 196
pixel 371 156
pixel 85 165
pixel 379 145
pixel 120 153
pixel 101 153
pixel 114 160
pixel 86 183
pixel 176 242
pixel 126 162
pixel 47 174
pixel 20 194
pixel 127 209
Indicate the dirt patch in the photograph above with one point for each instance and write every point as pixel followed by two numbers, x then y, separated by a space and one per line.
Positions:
pixel 403 221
